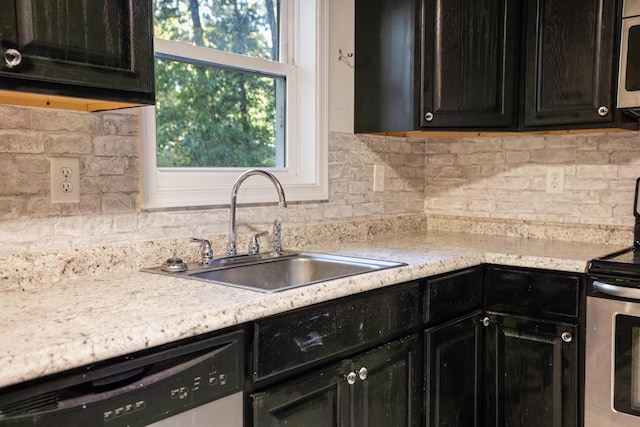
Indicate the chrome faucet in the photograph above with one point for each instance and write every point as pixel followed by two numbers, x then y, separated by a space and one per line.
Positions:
pixel 232 250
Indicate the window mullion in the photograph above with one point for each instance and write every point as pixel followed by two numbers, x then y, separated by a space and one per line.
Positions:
pixel 179 50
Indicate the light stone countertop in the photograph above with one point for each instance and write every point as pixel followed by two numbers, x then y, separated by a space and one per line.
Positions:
pixel 76 323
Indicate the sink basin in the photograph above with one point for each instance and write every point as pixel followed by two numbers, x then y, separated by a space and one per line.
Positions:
pixel 273 274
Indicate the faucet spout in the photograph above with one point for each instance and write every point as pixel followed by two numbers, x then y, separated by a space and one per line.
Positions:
pixel 232 249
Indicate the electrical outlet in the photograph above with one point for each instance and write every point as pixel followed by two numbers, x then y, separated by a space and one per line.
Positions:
pixel 555 180
pixel 378 177
pixel 65 179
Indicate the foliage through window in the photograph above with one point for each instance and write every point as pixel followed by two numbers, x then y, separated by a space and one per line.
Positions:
pixel 211 111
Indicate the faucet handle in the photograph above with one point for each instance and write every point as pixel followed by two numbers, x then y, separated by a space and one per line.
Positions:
pixel 206 253
pixel 254 246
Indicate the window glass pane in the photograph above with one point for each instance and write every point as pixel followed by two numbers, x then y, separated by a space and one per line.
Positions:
pixel 213 117
pixel 245 27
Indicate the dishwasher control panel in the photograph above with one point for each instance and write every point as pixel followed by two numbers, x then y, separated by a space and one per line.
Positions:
pixel 133 391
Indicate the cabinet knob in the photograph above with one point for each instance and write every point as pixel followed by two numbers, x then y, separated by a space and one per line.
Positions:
pixel 428 116
pixel 351 378
pixel 603 111
pixel 12 58
pixel 363 373
pixel 566 337
pixel 485 321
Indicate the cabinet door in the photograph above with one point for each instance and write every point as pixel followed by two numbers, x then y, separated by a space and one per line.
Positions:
pixel 320 399
pixel 469 63
pixel 103 44
pixel 531 372
pixel 334 329
pixel 386 65
pixel 453 372
pixel 390 393
pixel 569 62
pixel 453 295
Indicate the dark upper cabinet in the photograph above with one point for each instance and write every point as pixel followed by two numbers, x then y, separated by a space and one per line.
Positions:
pixel 100 50
pixel 469 71
pixel 500 65
pixel 387 65
pixel 568 68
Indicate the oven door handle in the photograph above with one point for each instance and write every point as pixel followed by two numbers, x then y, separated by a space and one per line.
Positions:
pixel 617 291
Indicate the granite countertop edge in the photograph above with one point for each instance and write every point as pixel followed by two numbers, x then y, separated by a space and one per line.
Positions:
pixel 84 321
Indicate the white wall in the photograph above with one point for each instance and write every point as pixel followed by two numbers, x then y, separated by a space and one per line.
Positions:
pixel 341 76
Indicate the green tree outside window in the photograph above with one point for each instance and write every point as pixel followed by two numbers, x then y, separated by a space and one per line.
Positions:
pixel 214 116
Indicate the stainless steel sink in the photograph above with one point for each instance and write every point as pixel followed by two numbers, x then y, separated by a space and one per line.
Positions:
pixel 273 274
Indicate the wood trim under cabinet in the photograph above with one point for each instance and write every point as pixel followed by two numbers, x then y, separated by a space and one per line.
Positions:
pixel 60 102
pixel 419 134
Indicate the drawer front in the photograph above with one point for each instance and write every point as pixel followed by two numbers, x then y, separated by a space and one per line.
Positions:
pixel 312 334
pixel 453 295
pixel 538 293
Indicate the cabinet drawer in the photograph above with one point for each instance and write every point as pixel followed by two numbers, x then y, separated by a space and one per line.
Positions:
pixel 453 295
pixel 539 293
pixel 312 334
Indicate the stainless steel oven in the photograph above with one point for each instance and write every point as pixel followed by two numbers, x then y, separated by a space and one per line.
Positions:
pixel 629 73
pixel 612 359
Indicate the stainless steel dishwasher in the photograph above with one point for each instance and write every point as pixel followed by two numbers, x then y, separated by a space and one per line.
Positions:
pixel 197 384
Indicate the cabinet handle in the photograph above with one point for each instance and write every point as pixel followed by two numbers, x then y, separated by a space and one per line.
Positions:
pixel 566 337
pixel 351 378
pixel 603 111
pixel 485 321
pixel 363 373
pixel 12 58
pixel 429 116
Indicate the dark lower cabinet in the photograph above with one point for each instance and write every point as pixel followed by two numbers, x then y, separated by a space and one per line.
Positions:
pixel 317 400
pixel 531 377
pixel 381 387
pixel 453 363
pixel 511 361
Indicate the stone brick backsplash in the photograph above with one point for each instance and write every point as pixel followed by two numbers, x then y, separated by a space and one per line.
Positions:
pixel 505 177
pixel 486 178
pixel 108 213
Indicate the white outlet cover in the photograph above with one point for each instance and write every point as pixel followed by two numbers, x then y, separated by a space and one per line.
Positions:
pixel 65 189
pixel 555 180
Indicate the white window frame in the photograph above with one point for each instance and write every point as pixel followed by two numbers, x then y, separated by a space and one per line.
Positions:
pixel 305 176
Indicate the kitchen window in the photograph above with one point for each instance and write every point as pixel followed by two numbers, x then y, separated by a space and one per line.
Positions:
pixel 239 84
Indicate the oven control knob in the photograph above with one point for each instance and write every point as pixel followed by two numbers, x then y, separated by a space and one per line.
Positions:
pixel 567 337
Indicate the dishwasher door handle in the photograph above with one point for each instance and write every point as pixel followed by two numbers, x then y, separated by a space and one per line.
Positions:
pixel 617 291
